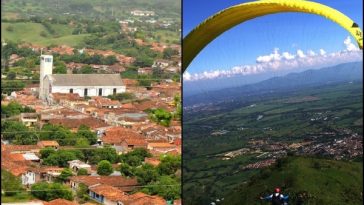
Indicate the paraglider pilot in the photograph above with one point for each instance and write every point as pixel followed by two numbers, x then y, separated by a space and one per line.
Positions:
pixel 276 198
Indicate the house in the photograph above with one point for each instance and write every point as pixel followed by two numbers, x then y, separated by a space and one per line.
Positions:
pixel 60 202
pixel 48 144
pixel 130 144
pixel 29 119
pixel 140 198
pixel 152 161
pixel 161 63
pixel 76 165
pixel 162 147
pixel 31 157
pixel 50 173
pixel 145 71
pixel 122 183
pixel 106 194
pixel 142 13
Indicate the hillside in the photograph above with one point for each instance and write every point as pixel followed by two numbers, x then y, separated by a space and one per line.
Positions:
pixel 324 181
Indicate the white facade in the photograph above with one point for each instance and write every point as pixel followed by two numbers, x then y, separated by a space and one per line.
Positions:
pixel 28 178
pixel 46 66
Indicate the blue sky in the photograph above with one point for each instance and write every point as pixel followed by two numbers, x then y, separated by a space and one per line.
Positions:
pixel 288 32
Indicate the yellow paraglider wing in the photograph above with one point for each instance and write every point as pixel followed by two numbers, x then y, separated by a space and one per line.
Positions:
pixel 203 34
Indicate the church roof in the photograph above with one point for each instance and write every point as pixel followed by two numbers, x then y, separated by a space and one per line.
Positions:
pixel 86 80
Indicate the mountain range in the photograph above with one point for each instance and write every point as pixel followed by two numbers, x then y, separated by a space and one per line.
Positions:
pixel 342 73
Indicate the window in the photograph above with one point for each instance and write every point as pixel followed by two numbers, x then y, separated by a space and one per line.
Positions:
pixel 114 91
pixel 100 91
pixel 48 60
pixel 85 92
pixel 71 90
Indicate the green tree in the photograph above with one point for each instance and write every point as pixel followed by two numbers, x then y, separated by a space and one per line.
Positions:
pixel 82 193
pixel 85 132
pixel 46 152
pixel 10 183
pixel 169 52
pixel 104 168
pixel 169 165
pixel 50 191
pixel 60 68
pixel 65 174
pixel 18 133
pixel 146 174
pixel 161 116
pixel 86 70
pixel 11 75
pixel 166 187
pixel 126 170
pixel 82 172
pixel 10 28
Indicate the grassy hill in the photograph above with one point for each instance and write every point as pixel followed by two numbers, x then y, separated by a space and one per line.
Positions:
pixel 31 33
pixel 324 181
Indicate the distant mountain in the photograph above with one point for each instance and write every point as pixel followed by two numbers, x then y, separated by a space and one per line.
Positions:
pixel 321 181
pixel 330 75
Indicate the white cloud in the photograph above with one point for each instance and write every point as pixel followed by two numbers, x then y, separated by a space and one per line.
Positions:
pixel 322 52
pixel 285 61
pixel 300 53
pixel 349 45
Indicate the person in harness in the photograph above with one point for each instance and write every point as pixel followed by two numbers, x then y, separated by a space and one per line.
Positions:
pixel 276 198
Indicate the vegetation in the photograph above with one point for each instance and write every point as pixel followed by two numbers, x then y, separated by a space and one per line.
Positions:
pixel 14 108
pixel 50 191
pixel 10 184
pixel 289 120
pixel 104 168
pixel 161 116
pixel 322 181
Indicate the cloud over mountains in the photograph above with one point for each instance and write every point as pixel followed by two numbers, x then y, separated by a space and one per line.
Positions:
pixel 285 61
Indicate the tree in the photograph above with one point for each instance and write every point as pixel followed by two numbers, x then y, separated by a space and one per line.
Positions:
pixel 169 165
pixel 82 193
pixel 18 133
pixel 60 69
pixel 104 168
pixel 146 174
pixel 106 153
pixel 85 132
pixel 50 191
pixel 169 52
pixel 46 152
pixel 82 172
pixel 166 187
pixel 161 116
pixel 10 183
pixel 65 174
pixel 86 70
pixel 126 170
pixel 11 75
pixel 122 96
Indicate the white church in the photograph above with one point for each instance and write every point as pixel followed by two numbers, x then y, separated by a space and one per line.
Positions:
pixel 82 84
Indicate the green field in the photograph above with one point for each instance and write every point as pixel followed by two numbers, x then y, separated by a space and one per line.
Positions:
pixel 324 181
pixel 289 118
pixel 31 33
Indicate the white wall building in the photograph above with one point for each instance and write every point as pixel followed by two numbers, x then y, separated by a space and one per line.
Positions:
pixel 82 84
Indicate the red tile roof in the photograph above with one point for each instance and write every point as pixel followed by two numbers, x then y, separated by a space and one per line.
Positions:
pixel 124 184
pixel 109 192
pixel 144 199
pixel 60 202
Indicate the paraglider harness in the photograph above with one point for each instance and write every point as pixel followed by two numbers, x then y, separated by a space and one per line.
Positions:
pixel 277 199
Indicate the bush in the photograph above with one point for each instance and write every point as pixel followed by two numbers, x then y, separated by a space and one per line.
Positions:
pixel 48 192
pixel 104 168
